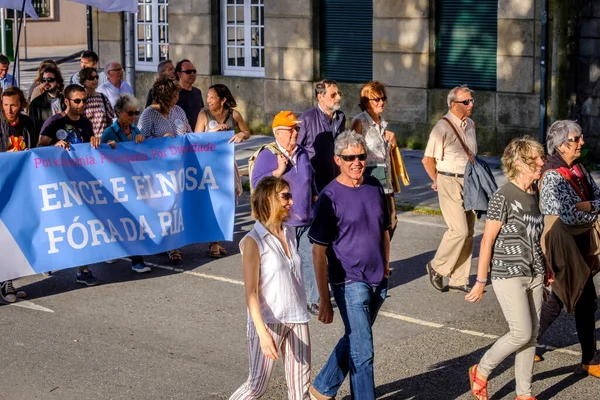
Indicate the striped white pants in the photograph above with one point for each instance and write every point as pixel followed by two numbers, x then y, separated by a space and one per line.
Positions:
pixel 293 342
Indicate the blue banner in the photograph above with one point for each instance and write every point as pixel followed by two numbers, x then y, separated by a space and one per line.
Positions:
pixel 61 209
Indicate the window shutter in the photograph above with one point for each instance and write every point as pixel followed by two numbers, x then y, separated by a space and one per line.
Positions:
pixel 347 40
pixel 466 43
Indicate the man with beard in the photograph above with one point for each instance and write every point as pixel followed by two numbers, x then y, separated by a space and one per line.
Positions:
pixel 16 134
pixel 318 129
pixel 51 101
pixel 63 130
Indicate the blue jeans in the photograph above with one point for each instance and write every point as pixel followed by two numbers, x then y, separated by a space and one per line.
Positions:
pixel 358 303
pixel 308 269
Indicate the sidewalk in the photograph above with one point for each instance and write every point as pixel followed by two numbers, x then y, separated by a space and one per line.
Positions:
pixel 418 194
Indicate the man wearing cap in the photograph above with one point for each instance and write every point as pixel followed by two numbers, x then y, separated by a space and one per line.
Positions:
pixel 320 126
pixel 285 158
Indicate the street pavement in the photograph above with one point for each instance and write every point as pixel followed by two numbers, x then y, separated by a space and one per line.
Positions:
pixel 180 332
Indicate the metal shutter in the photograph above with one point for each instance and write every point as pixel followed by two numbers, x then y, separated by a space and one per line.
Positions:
pixel 466 43
pixel 347 40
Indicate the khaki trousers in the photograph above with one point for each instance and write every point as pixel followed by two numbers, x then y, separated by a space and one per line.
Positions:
pixel 453 256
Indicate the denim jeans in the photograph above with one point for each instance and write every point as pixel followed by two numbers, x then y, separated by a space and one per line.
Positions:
pixel 308 269
pixel 358 303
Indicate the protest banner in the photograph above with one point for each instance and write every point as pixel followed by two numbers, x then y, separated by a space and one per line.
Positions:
pixel 60 209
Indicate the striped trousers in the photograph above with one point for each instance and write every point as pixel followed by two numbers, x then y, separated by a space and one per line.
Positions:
pixel 293 342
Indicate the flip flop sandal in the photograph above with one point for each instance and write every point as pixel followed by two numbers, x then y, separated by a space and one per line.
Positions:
pixel 175 257
pixel 222 250
pixel 213 250
pixel 481 393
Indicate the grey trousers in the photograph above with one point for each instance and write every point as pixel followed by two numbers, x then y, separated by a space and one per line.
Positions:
pixel 521 301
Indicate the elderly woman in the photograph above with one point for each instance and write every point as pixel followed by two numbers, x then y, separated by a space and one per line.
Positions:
pixel 380 141
pixel 511 245
pixel 164 118
pixel 285 158
pixel 220 115
pixel 570 203
pixel 97 107
pixel 277 315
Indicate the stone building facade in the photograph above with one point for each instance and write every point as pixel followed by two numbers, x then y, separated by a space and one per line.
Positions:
pixel 403 55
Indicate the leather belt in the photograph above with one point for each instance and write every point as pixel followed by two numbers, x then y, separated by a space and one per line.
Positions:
pixel 451 174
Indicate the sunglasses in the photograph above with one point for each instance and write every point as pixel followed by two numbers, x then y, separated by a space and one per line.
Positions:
pixel 49 80
pixel 466 102
pixel 93 78
pixel 189 71
pixel 132 113
pixel 333 95
pixel 352 157
pixel 290 129
pixel 378 99
pixel 285 196
pixel 79 101
pixel 574 139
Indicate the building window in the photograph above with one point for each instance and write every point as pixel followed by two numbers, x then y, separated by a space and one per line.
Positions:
pixel 466 43
pixel 43 8
pixel 151 34
pixel 243 43
pixel 347 40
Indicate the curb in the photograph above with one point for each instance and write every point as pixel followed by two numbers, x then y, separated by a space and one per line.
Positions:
pixel 59 61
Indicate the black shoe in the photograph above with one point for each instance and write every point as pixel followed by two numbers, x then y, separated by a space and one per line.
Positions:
pixel 461 288
pixel 436 280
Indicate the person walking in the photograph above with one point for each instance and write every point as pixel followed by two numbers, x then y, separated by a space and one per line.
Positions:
pixel 97 108
pixel 277 315
pixel 511 245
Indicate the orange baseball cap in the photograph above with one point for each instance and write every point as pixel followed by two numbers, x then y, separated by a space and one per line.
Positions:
pixel 285 118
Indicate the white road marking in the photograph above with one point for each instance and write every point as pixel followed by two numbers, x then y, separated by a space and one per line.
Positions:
pixel 432 224
pixel 410 319
pixel 31 306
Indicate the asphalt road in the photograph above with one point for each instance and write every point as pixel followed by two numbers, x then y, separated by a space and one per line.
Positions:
pixel 180 334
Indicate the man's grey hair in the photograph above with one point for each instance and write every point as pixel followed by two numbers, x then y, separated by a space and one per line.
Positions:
pixel 163 65
pixel 109 65
pixel 349 138
pixel 453 94
pixel 558 133
pixel 125 102
pixel 321 86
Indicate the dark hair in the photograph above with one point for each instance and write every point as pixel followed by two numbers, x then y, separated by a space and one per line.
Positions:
pixel 73 88
pixel 4 60
pixel 44 64
pixel 57 75
pixel 91 55
pixel 321 87
pixel 85 74
pixel 15 91
pixel 164 91
pixel 224 93
pixel 179 65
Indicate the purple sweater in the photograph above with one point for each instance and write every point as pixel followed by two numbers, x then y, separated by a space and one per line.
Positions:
pixel 300 177
pixel 317 134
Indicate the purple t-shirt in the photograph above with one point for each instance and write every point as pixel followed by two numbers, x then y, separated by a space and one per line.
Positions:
pixel 351 222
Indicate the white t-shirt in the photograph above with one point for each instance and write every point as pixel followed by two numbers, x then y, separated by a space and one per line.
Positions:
pixel 280 285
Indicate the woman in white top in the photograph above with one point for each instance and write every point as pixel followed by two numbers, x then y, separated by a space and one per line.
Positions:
pixel 380 141
pixel 277 314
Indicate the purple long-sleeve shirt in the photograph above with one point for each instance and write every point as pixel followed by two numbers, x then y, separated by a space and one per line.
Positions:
pixel 317 134
pixel 301 178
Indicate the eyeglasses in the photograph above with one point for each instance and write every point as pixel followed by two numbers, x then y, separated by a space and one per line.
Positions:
pixel 116 70
pixel 466 102
pixel 378 99
pixel 285 196
pixel 189 71
pixel 49 80
pixel 574 139
pixel 334 95
pixel 352 157
pixel 132 113
pixel 93 78
pixel 79 101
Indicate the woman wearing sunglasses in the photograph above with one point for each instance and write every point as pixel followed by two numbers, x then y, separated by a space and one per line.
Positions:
pixel 380 141
pixel 97 108
pixel 124 130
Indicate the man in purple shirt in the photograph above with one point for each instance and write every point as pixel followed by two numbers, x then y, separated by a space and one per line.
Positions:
pixel 320 126
pixel 292 163
pixel 351 243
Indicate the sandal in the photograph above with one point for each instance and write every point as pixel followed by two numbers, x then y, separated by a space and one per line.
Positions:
pixel 481 393
pixel 222 250
pixel 174 257
pixel 214 250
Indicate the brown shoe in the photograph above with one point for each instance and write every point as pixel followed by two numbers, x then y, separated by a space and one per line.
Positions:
pixel 315 395
pixel 593 370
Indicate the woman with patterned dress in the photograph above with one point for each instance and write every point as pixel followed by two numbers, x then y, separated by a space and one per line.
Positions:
pixel 511 249
pixel 97 107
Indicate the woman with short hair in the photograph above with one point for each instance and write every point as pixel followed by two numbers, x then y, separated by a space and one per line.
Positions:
pixel 97 107
pixel 511 247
